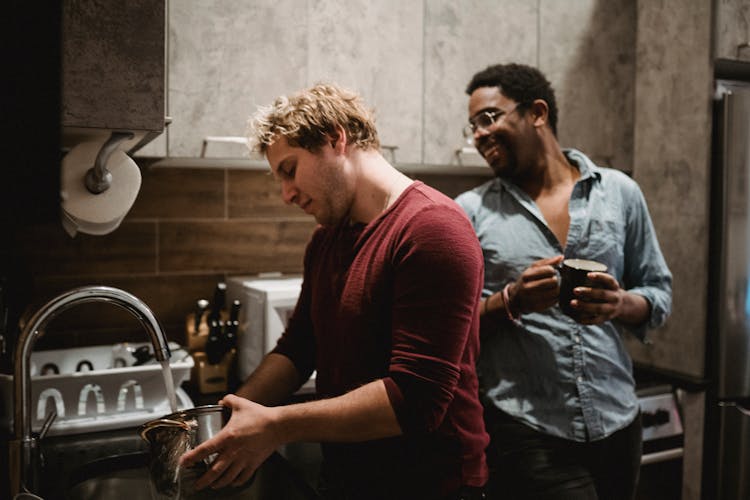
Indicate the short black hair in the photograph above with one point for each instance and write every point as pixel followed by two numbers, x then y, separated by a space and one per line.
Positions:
pixel 519 82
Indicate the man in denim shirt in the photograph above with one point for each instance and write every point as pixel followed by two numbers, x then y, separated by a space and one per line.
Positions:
pixel 559 394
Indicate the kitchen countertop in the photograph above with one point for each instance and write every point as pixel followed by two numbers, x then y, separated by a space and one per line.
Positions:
pixel 649 375
pixel 212 398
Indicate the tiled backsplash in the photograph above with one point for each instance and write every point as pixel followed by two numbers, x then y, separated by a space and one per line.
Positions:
pixel 188 229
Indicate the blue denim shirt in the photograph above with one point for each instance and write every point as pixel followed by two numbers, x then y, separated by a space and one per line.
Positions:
pixel 560 377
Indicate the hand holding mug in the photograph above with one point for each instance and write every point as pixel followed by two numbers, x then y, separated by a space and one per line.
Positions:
pixel 537 288
pixel 587 293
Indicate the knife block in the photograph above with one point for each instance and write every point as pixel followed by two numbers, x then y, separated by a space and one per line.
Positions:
pixel 196 340
pixel 209 378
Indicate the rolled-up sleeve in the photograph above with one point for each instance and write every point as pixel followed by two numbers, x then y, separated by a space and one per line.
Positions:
pixel 646 272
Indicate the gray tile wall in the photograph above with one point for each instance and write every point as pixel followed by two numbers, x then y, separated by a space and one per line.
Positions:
pixel 672 155
pixel 672 144
pixel 587 49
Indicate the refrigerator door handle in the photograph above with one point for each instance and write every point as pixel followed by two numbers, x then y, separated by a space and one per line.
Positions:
pixel 736 406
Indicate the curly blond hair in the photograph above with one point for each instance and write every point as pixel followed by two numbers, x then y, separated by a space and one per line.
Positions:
pixel 310 117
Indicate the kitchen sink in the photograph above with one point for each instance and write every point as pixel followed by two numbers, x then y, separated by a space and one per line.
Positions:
pixel 123 478
pixel 114 464
pixel 127 477
pixel 125 485
pixel 128 484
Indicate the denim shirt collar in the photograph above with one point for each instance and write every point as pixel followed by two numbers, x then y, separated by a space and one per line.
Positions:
pixel 583 163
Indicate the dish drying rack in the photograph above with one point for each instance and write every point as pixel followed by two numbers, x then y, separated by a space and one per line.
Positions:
pixel 98 388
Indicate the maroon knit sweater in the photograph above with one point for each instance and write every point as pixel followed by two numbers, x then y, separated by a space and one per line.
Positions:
pixel 396 300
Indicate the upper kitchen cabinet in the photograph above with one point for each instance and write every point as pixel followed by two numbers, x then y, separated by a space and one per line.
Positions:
pixel 585 48
pixel 113 61
pixel 461 38
pixel 411 62
pixel 227 57
pixel 732 30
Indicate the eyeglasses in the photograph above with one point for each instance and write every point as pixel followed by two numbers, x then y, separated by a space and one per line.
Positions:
pixel 485 119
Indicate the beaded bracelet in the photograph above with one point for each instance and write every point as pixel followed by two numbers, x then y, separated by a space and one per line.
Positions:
pixel 506 304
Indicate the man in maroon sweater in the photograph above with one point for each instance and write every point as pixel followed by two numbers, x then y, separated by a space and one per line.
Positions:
pixel 386 316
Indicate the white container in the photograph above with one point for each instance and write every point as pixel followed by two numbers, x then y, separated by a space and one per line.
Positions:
pixel 97 388
pixel 267 304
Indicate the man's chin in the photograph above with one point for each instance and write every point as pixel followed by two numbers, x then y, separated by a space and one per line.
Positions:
pixel 326 220
pixel 499 169
pixel 502 167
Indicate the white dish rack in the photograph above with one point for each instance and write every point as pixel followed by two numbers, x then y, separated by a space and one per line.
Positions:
pixel 97 388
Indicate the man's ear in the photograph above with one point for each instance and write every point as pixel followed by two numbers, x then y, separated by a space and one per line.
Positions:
pixel 540 112
pixel 338 140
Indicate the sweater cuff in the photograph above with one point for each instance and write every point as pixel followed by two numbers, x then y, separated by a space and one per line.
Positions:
pixel 396 398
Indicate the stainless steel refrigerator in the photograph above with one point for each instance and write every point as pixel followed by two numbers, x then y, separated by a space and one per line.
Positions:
pixel 727 443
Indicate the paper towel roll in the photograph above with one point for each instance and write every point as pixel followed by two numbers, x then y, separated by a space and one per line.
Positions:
pixel 96 213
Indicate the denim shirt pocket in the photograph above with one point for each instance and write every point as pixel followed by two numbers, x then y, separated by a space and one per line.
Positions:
pixel 604 241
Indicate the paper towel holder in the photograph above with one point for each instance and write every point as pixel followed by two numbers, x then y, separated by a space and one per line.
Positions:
pixel 98 178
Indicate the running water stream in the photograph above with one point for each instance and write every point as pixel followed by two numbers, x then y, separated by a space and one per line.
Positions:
pixel 169 384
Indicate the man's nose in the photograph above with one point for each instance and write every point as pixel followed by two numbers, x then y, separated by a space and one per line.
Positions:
pixel 480 132
pixel 288 192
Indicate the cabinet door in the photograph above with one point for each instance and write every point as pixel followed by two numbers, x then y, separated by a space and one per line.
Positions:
pixel 228 57
pixel 732 30
pixel 113 65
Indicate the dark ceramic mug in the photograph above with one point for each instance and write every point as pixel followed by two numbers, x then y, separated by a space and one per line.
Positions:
pixel 573 273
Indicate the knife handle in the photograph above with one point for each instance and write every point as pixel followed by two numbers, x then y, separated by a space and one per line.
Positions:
pixel 220 294
pixel 230 330
pixel 234 312
pixel 200 309
pixel 214 344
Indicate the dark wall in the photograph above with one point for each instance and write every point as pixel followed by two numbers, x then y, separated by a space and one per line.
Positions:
pixel 30 110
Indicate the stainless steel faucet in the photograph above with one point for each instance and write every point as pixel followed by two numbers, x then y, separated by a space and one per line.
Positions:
pixel 23 448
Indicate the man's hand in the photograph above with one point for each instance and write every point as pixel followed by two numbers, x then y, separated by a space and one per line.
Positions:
pixel 537 288
pixel 601 302
pixel 240 447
